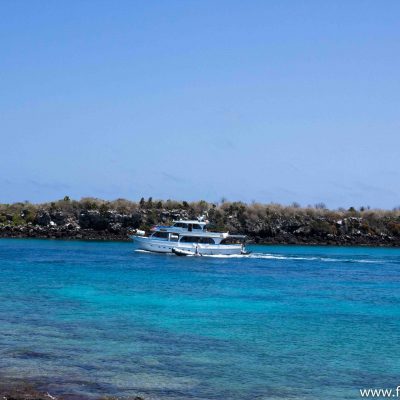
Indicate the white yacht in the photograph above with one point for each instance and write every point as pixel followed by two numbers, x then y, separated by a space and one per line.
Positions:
pixel 189 238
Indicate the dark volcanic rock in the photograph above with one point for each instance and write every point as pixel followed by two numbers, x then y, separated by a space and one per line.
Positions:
pixel 43 218
pixel 22 390
pixel 261 223
pixel 92 219
pixel 58 217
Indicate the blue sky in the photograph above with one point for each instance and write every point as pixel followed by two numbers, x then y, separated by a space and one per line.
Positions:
pixel 269 101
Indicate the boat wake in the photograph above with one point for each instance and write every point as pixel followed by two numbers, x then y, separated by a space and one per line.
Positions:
pixel 294 258
pixel 268 256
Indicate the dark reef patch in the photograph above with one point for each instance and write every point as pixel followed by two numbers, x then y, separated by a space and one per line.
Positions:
pixel 21 389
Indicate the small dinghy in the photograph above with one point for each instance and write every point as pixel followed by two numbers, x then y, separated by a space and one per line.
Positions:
pixel 181 252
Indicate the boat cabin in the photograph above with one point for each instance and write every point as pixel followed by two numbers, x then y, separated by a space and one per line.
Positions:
pixel 183 226
pixel 203 238
pixel 190 226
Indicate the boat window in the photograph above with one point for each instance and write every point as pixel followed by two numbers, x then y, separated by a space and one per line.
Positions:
pixel 161 235
pixel 196 226
pixel 232 240
pixel 196 239
pixel 207 240
pixel 173 237
pixel 189 239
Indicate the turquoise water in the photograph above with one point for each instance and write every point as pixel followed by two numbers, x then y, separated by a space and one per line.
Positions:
pixel 89 319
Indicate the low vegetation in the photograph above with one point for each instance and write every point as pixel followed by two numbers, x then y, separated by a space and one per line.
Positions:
pixel 264 223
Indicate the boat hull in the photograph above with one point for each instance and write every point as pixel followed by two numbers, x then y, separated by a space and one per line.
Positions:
pixel 165 246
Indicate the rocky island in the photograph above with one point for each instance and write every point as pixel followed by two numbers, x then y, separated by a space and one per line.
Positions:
pixel 95 219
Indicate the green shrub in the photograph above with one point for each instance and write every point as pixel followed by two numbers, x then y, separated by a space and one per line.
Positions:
pixel 394 228
pixel 323 228
pixel 18 220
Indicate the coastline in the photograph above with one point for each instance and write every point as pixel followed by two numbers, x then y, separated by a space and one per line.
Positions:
pixel 58 233
pixel 99 220
pixel 24 389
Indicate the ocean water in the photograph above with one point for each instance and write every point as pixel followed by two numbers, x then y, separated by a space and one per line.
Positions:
pixel 88 319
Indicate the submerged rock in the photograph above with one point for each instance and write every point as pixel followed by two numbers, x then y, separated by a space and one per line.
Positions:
pixel 23 390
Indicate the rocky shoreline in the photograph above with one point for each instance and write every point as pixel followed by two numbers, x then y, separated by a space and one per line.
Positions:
pixel 24 390
pixel 35 232
pixel 93 219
